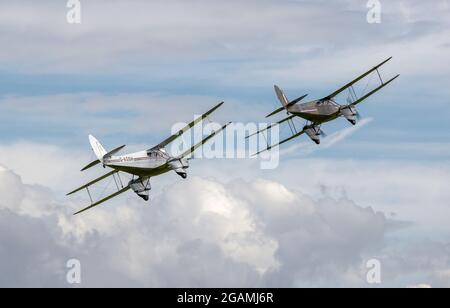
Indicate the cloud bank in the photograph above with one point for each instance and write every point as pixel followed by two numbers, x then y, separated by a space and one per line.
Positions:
pixel 208 233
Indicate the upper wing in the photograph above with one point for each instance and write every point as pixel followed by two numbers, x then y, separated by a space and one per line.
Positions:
pixel 356 80
pixel 373 92
pixel 195 147
pixel 185 129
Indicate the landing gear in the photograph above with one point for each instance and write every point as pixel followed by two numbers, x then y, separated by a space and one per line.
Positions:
pixel 142 187
pixel 314 132
pixel 350 113
pixel 182 174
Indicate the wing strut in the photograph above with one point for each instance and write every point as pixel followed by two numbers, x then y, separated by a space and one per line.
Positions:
pixel 356 80
pixel 119 185
pixel 195 147
pixel 93 182
pixel 185 129
pixel 280 143
pixel 272 125
pixel 373 91
pixel 104 200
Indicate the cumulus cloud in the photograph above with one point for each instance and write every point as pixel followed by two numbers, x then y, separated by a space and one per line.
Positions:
pixel 198 233
pixel 239 231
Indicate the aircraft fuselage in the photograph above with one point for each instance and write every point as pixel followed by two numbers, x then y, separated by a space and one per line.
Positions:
pixel 317 112
pixel 147 164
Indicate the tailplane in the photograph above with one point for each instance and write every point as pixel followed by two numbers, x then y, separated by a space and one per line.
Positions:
pixel 285 102
pixel 100 152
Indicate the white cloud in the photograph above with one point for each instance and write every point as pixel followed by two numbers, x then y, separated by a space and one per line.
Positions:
pixel 302 49
pixel 237 232
pixel 173 242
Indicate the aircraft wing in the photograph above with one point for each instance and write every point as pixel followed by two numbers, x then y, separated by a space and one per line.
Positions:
pixel 93 182
pixel 104 199
pixel 185 129
pixel 281 142
pixel 373 92
pixel 356 80
pixel 120 189
pixel 272 125
pixel 195 147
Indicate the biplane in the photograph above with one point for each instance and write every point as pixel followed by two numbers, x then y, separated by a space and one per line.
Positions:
pixel 143 165
pixel 323 110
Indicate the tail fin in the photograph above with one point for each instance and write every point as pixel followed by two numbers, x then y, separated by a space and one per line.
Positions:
pixel 98 149
pixel 283 99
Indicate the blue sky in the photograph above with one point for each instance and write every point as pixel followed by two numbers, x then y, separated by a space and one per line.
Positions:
pixel 315 62
pixel 132 69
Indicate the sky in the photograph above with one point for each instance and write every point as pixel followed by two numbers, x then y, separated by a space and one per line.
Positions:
pixel 132 69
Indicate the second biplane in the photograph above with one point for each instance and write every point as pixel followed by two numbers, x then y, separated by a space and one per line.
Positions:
pixel 323 110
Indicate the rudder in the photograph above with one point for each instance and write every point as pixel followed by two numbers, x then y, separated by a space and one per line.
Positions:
pixel 281 96
pixel 98 149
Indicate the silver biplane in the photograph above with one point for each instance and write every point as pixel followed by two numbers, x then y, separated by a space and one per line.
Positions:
pixel 323 110
pixel 141 165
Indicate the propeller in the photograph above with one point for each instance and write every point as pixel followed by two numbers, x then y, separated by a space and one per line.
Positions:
pixel 357 114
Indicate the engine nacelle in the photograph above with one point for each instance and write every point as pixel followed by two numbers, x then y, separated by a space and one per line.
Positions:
pixel 350 114
pixel 313 132
pixel 141 187
pixel 180 166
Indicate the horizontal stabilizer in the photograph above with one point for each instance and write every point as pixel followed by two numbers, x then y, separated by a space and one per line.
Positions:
pixel 111 153
pixel 296 101
pixel 275 112
pixel 107 155
pixel 287 106
pixel 94 163
pixel 104 199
